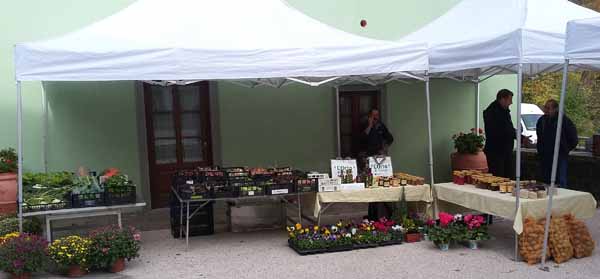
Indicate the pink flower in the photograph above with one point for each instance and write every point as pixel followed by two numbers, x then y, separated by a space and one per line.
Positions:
pixel 445 219
pixel 105 250
pixel 430 222
pixel 468 218
pixel 137 237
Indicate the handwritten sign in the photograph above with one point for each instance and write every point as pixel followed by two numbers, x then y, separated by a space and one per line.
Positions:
pixel 381 167
pixel 340 166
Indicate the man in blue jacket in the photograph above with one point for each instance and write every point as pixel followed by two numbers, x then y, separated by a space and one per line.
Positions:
pixel 546 134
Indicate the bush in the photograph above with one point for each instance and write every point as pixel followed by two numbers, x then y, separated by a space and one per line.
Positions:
pixel 23 253
pixel 8 160
pixel 112 243
pixel 71 250
pixel 9 224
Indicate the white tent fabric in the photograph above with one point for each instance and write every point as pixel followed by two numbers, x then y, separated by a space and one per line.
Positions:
pixel 479 37
pixel 200 40
pixel 583 42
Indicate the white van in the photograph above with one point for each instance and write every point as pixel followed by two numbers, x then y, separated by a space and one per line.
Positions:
pixel 530 113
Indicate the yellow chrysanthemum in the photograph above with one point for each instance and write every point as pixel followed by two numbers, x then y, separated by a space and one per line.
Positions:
pixel 298 226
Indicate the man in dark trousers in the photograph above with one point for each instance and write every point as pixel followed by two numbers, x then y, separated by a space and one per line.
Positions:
pixel 546 134
pixel 500 135
pixel 377 139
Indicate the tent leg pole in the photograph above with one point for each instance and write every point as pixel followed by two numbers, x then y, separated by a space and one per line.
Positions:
pixel 561 113
pixel 337 122
pixel 44 129
pixel 477 104
pixel 20 153
pixel 430 145
pixel 518 159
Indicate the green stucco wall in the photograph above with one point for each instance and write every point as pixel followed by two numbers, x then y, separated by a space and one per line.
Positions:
pixel 94 123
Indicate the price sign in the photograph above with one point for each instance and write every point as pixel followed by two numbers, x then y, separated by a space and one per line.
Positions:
pixel 341 166
pixel 381 166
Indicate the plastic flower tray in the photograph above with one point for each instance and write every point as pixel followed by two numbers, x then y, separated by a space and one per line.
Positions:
pixel 126 195
pixel 88 200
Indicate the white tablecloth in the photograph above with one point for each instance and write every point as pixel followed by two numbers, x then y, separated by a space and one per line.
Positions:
pixel 580 204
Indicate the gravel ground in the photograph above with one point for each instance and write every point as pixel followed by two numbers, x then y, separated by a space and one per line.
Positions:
pixel 265 255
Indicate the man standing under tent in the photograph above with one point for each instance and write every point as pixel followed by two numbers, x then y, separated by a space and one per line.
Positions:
pixel 500 135
pixel 377 139
pixel 546 133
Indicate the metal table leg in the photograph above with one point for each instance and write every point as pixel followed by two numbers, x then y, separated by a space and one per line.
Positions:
pixel 187 228
pixel 119 220
pixel 48 230
pixel 321 212
pixel 180 219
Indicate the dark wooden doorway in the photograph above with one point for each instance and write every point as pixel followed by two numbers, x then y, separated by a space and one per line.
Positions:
pixel 354 110
pixel 179 133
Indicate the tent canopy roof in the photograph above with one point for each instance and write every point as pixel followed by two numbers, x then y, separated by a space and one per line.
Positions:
pixel 479 37
pixel 198 40
pixel 583 42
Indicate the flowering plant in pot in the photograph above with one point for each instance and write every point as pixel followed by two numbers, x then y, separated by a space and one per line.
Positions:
pixel 446 230
pixel 71 253
pixel 112 245
pixel 23 254
pixel 468 155
pixel 473 229
pixel 388 231
pixel 8 177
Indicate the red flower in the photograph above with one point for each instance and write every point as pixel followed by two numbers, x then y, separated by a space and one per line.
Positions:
pixel 480 131
pixel 445 219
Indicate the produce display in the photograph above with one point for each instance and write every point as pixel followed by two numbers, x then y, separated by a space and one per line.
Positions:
pixel 559 240
pixel 59 190
pixel 531 241
pixel 410 179
pixel 581 239
pixel 530 189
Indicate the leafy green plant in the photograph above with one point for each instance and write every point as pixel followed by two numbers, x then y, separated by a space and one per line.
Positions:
pixel 46 188
pixel 8 160
pixel 112 243
pixel 469 143
pixel 23 253
pixel 86 185
pixel 9 224
pixel 117 183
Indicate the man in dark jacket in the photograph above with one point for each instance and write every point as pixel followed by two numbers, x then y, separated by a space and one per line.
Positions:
pixel 377 139
pixel 546 134
pixel 500 135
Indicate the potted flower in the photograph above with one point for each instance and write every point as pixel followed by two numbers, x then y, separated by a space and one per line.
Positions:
pixel 411 230
pixel 445 231
pixel 112 245
pixel 23 254
pixel 71 253
pixel 469 154
pixel 8 180
pixel 475 230
pixel 388 232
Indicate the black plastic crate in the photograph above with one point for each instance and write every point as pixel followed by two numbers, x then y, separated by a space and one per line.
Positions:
pixel 193 191
pixel 88 200
pixel 125 195
pixel 224 190
pixel 279 189
pixel 252 189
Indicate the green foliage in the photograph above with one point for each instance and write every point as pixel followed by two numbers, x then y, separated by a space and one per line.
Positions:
pixel 443 235
pixel 117 182
pixel 9 224
pixel 469 143
pixel 8 160
pixel 400 210
pixel 86 185
pixel 582 102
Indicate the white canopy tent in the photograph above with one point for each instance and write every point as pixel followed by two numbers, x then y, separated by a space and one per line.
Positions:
pixel 582 52
pixel 478 39
pixel 261 42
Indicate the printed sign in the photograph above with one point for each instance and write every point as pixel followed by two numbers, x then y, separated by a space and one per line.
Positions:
pixel 381 166
pixel 340 166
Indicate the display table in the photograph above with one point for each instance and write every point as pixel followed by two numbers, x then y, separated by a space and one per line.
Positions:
pixel 87 212
pixel 580 204
pixel 420 193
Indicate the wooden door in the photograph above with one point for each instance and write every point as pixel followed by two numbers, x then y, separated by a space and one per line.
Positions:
pixel 179 137
pixel 354 110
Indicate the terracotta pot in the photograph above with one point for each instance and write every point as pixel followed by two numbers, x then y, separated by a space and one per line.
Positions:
pixel 461 161
pixel 76 271
pixel 118 266
pixel 413 237
pixel 8 187
pixel 25 275
pixel 8 208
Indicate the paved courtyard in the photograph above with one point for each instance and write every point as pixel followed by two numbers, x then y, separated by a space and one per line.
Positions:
pixel 264 254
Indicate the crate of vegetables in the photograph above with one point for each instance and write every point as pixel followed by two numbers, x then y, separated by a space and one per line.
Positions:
pixel 46 191
pixel 250 188
pixel 87 192
pixel 118 189
pixel 220 189
pixel 306 185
